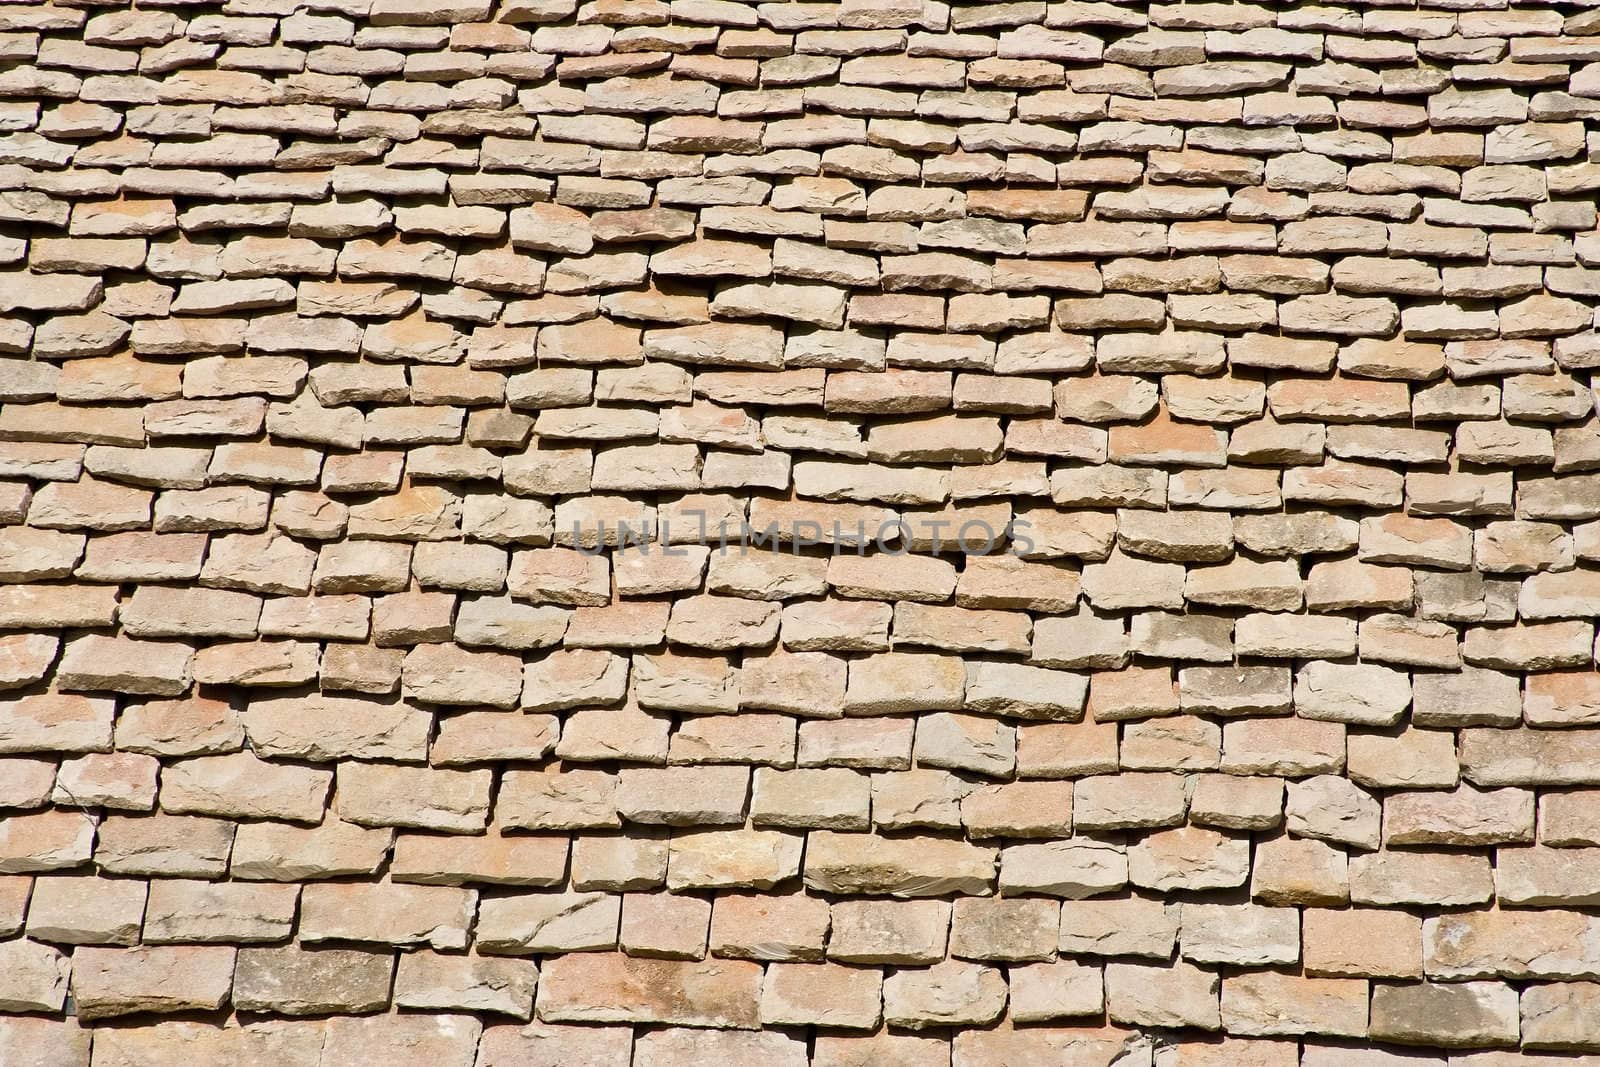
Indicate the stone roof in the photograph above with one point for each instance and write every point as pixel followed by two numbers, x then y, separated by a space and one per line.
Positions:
pixel 866 533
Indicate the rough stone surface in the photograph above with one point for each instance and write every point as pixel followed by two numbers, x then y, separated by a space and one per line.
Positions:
pixel 874 532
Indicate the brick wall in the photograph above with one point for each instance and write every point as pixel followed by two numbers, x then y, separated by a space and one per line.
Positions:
pixel 1209 381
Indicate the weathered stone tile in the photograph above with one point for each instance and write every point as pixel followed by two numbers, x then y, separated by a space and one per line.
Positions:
pixel 949 993
pixel 1398 878
pixel 375 794
pixel 1453 1015
pixel 1189 858
pixel 822 994
pixel 1269 1003
pixel 242 785
pixel 865 863
pixel 541 1044
pixel 386 914
pixel 1072 868
pixel 437 982
pixel 296 981
pixel 772 927
pixel 328 729
pixel 35 977
pixel 218 912
pixel 287 853
pixel 108 982
pixel 1007 930
pixel 1239 935
pixel 607 987
pixel 1147 994
pixel 443 1039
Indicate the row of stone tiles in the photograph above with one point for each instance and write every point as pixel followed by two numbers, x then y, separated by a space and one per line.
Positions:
pixel 1265 203
pixel 1429 796
pixel 1178 34
pixel 1476 89
pixel 1186 191
pixel 184 489
pixel 596 673
pixel 1185 376
pixel 207 319
pixel 729 193
pixel 492 58
pixel 763 596
pixel 921 317
pixel 800 548
pixel 1337 171
pixel 349 125
pixel 849 372
pixel 857 255
pixel 896 554
pixel 739 995
pixel 398 154
pixel 1211 148
pixel 1067 721
pixel 555 245
pixel 730 155
pixel 1183 572
pixel 593 456
pixel 1482 19
pixel 1185 342
pixel 112 522
pixel 1401 791
pixel 728 186
pixel 330 727
pixel 1119 377
pixel 436 632
pixel 804 629
pixel 156 667
pixel 796 205
pixel 670 555
pixel 1347 172
pixel 849 503
pixel 71 911
pixel 1169 387
pixel 826 307
pixel 1276 871
pixel 374 602
pixel 459 1040
pixel 307 1044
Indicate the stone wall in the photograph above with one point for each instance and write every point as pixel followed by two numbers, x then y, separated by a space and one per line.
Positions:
pixel 1209 380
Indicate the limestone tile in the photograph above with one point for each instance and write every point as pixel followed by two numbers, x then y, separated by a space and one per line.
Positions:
pixel 610 987
pixel 548 922
pixel 377 795
pixel 290 980
pixel 438 982
pixel 110 982
pixel 1149 994
pixel 36 977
